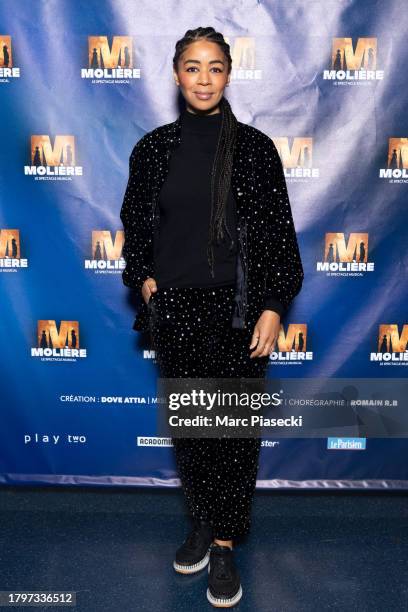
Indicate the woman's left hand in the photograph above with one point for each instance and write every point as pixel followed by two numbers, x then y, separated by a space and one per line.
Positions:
pixel 265 334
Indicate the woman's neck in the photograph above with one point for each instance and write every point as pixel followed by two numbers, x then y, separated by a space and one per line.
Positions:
pixel 199 122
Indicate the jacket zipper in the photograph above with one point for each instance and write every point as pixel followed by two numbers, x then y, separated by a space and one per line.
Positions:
pixel 154 204
pixel 155 211
pixel 239 314
pixel 245 263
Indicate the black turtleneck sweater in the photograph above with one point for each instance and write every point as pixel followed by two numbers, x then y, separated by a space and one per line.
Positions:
pixel 185 209
pixel 180 252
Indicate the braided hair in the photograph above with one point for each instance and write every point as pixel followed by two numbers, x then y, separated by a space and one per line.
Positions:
pixel 222 166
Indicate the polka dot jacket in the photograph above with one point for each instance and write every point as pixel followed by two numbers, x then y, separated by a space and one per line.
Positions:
pixel 269 265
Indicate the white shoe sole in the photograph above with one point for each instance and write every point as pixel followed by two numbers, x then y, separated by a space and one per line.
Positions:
pixel 192 569
pixel 223 602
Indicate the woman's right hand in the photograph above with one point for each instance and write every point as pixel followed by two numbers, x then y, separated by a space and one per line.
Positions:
pixel 148 287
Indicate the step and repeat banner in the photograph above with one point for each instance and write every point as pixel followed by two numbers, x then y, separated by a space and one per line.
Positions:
pixel 80 84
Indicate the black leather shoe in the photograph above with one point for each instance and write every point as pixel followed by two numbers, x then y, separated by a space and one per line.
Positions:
pixel 194 554
pixel 224 585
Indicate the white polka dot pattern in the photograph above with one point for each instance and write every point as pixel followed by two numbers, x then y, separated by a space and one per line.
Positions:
pixel 192 338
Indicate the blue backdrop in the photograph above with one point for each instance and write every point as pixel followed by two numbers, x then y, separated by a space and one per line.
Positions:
pixel 79 87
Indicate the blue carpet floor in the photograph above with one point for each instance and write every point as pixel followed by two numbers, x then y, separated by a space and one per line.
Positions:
pixel 312 551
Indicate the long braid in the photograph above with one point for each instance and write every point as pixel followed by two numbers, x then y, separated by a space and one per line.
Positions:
pixel 222 166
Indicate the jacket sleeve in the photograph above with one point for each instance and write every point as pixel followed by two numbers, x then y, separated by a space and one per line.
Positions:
pixel 285 274
pixel 135 215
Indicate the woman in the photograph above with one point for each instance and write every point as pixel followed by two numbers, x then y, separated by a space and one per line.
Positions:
pixel 211 248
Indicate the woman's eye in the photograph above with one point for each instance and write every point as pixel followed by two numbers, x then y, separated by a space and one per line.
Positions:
pixel 194 68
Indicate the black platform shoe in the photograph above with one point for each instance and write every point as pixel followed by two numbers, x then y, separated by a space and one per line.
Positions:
pixel 194 554
pixel 224 585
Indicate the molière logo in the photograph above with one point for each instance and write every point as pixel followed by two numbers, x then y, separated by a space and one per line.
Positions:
pixel 391 345
pixel 343 258
pixel 297 160
pixel 58 344
pixel 397 161
pixel 353 65
pixel 106 254
pixel 291 345
pixel 10 252
pixel 243 56
pixel 110 63
pixel 53 162
pixel 7 69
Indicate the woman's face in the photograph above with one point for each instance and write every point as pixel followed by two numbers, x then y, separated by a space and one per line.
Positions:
pixel 202 69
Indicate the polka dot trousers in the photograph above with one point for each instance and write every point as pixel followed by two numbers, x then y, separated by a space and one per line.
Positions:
pixel 192 336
